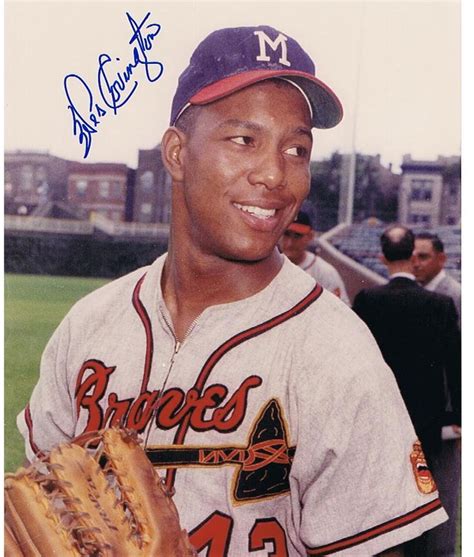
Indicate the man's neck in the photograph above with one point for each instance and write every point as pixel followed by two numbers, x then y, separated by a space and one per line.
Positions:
pixel 191 283
pixel 433 283
pixel 300 258
pixel 395 267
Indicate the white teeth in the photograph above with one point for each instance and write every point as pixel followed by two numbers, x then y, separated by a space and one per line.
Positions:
pixel 256 211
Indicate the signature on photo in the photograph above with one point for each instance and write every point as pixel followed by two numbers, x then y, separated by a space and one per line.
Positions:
pixel 115 87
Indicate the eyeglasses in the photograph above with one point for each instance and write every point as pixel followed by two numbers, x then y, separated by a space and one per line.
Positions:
pixel 291 234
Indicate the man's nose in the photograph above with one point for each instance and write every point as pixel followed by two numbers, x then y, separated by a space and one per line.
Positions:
pixel 269 171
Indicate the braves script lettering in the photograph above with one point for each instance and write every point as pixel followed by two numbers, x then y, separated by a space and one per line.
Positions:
pixel 168 409
pixel 115 83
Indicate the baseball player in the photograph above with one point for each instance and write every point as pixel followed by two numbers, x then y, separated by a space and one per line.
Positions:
pixel 294 243
pixel 264 401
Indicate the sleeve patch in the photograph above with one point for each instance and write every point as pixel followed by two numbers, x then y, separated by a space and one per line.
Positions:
pixel 424 480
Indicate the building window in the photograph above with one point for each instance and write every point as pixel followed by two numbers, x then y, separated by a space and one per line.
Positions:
pixel 146 181
pixel 145 208
pixel 421 190
pixel 104 188
pixel 40 174
pixel 81 187
pixel 26 178
pixel 8 184
pixel 451 221
pixel 165 215
pixel 420 219
pixel 116 189
pixel 42 190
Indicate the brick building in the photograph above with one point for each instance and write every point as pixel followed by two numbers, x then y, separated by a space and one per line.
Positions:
pixel 430 192
pixel 38 183
pixel 152 188
pixel 99 187
pixel 375 189
pixel 32 178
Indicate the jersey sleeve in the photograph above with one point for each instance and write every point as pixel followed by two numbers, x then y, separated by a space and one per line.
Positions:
pixel 359 469
pixel 335 282
pixel 48 418
pixel 342 288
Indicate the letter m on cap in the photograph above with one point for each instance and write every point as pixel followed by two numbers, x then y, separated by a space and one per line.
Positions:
pixel 280 41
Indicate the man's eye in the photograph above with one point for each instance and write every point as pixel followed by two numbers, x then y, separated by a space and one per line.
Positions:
pixel 242 140
pixel 297 151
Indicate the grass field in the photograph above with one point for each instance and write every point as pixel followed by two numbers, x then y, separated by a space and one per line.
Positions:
pixel 34 306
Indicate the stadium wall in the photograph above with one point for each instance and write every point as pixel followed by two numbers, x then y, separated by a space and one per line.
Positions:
pixel 72 256
pixel 103 248
pixel 354 275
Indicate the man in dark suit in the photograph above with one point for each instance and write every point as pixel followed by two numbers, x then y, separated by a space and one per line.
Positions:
pixel 429 259
pixel 419 337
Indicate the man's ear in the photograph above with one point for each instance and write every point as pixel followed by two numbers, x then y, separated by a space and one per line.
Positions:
pixel 382 259
pixel 172 154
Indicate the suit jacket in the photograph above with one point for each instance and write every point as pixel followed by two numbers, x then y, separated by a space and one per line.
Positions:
pixel 419 337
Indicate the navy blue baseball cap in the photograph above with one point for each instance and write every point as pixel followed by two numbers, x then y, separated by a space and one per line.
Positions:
pixel 230 59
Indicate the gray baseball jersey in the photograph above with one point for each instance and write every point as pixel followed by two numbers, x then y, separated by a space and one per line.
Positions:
pixel 325 274
pixel 276 420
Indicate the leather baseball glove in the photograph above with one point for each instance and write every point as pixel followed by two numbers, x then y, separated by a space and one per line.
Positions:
pixel 98 496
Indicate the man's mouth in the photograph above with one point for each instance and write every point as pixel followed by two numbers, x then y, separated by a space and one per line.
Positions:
pixel 423 469
pixel 258 212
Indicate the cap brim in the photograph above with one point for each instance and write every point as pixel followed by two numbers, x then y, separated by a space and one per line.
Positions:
pixel 327 109
pixel 299 228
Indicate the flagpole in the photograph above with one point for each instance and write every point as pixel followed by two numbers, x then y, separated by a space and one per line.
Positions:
pixel 353 158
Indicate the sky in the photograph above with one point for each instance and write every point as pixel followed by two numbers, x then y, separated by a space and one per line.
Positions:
pixel 396 66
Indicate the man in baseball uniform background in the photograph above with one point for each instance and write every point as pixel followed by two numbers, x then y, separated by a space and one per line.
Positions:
pixel 264 400
pixel 295 243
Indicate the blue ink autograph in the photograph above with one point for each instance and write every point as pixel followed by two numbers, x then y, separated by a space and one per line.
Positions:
pixel 115 87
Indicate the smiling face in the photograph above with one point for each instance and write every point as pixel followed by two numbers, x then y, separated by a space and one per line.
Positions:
pixel 244 172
